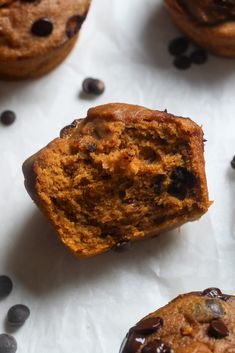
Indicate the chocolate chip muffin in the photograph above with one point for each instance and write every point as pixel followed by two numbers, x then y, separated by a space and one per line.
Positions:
pixel 198 322
pixel 37 35
pixel 122 174
pixel 209 23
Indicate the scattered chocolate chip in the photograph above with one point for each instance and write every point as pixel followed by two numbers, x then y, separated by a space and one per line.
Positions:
pixel 43 27
pixel 91 148
pixel 156 346
pixel 212 292
pixel 93 86
pixel 199 56
pixel 132 343
pixel 8 344
pixel 17 315
pixel 177 190
pixel 182 62
pixel 6 286
pixel 165 111
pixel 74 24
pixel 233 163
pixel 122 246
pixel 148 326
pixel 178 46
pixel 217 329
pixel 158 180
pixel 8 117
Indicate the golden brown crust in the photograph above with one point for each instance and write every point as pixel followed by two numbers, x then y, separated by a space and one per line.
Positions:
pixel 209 27
pixel 24 54
pixel 197 322
pixel 126 115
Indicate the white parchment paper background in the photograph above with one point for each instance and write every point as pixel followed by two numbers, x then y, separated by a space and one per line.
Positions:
pixel 87 306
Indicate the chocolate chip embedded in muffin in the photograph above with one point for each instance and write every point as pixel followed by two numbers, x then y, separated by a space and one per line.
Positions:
pixel 43 27
pixel 74 24
pixel 218 329
pixel 156 346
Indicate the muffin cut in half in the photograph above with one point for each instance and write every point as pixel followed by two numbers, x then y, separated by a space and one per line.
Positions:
pixel 123 173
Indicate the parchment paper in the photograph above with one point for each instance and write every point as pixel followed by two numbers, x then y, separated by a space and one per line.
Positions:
pixel 88 306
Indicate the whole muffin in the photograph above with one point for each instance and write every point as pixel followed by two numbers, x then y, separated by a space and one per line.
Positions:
pixel 124 173
pixel 209 23
pixel 37 35
pixel 198 322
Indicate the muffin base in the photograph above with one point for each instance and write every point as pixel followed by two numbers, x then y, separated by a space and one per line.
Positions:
pixel 37 66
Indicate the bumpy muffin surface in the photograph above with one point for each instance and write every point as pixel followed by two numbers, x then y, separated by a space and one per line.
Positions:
pixel 124 173
pixel 36 32
pixel 198 322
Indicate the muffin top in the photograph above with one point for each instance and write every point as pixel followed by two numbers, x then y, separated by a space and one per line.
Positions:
pixel 29 28
pixel 197 322
pixel 210 12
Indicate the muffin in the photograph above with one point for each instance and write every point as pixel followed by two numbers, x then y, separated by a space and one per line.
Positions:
pixel 36 35
pixel 208 23
pixel 122 174
pixel 198 322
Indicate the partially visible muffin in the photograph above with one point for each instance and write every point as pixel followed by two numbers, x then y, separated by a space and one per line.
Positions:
pixel 124 173
pixel 37 35
pixel 209 23
pixel 197 322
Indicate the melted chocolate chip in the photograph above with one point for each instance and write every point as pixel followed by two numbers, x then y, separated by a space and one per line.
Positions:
pixel 91 148
pixel 215 307
pixel 122 246
pixel 74 24
pixel 156 346
pixel 8 344
pixel 132 343
pixel 6 286
pixel 149 326
pixel 158 180
pixel 199 56
pixel 178 46
pixel 182 62
pixel 212 292
pixel 217 329
pixel 8 117
pixel 182 175
pixel 177 190
pixel 43 27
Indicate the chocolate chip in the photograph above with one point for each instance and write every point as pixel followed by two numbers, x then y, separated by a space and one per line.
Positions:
pixel 74 24
pixel 156 346
pixel 6 286
pixel 217 329
pixel 215 307
pixel 17 315
pixel 178 46
pixel 42 27
pixel 8 344
pixel 8 117
pixel 158 180
pixel 122 246
pixel 93 86
pixel 148 326
pixel 91 148
pixel 182 175
pixel 225 297
pixel 182 62
pixel 224 3
pixel 132 343
pixel 177 190
pixel 198 56
pixel 233 163
pixel 212 292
